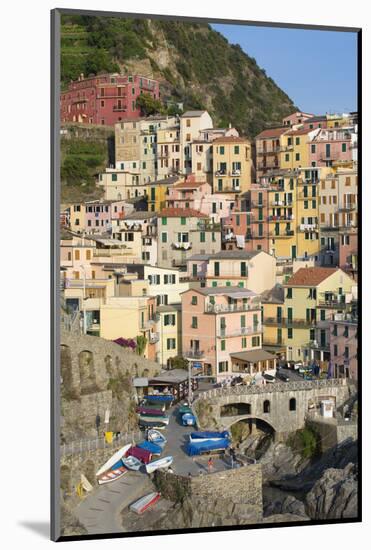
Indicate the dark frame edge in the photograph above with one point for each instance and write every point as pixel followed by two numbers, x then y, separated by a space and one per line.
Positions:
pixel 54 253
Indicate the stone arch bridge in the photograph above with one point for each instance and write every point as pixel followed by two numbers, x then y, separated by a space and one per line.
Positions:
pixel 285 407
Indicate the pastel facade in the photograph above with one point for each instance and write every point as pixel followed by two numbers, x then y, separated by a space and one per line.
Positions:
pixel 232 165
pixel 157 193
pixel 120 185
pixel 330 147
pixel 169 328
pixel 191 123
pixel 183 232
pixel 217 323
pixel 168 151
pixel 268 149
pixel 344 346
pixel 295 149
pixel 105 99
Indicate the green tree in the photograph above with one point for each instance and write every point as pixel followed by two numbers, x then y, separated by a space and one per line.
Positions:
pixel 178 362
pixel 149 106
pixel 141 344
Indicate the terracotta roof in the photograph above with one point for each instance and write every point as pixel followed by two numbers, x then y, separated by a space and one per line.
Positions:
pixel 271 133
pixel 189 185
pixel 310 276
pixel 181 213
pixel 299 132
pixel 231 139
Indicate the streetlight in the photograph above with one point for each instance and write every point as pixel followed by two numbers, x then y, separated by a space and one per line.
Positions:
pixel 83 296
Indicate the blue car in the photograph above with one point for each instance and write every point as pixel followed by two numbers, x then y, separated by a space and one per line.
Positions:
pixel 188 419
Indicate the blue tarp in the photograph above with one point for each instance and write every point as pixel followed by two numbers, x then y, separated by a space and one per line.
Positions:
pixel 165 398
pixel 206 446
pixel 151 447
pixel 188 419
pixel 209 435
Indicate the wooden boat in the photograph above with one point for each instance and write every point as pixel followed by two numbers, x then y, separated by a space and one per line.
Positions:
pixel 114 458
pixel 117 471
pixel 141 505
pixel 156 437
pixel 160 463
pixel 132 463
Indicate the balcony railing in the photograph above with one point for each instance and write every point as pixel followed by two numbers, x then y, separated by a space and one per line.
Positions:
pixel 221 308
pixel 308 227
pixel 347 207
pixel 242 331
pixel 284 218
pixel 193 354
pixel 285 235
pixel 288 322
pixel 281 203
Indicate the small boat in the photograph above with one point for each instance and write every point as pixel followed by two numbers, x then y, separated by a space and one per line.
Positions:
pixel 188 419
pixel 156 437
pixel 141 454
pixel 151 447
pixel 147 418
pixel 117 471
pixel 184 409
pixel 160 463
pixel 149 411
pixel 151 424
pixel 208 436
pixel 141 505
pixel 158 406
pixel 132 463
pixel 114 458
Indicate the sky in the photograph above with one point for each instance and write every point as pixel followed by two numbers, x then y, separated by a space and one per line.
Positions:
pixel 317 69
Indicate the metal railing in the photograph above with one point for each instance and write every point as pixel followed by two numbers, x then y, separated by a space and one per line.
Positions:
pixel 220 308
pixel 242 331
pixel 83 446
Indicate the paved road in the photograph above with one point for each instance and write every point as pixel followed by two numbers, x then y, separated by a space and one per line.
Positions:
pixel 100 511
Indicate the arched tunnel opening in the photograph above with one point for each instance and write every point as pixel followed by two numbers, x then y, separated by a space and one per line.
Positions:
pixel 252 437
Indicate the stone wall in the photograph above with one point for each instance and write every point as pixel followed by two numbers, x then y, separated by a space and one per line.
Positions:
pixel 222 498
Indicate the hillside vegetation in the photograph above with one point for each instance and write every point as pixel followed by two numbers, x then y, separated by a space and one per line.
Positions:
pixel 195 65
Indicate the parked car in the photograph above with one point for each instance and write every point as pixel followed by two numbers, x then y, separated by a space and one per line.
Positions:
pixel 269 378
pixel 294 365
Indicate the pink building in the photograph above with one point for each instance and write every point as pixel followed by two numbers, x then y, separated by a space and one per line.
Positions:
pixel 348 252
pixel 199 196
pixel 105 99
pixel 330 146
pixel 315 122
pixel 99 215
pixel 219 322
pixel 344 346
pixel 296 118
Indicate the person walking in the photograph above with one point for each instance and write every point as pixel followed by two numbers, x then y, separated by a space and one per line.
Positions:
pixel 210 464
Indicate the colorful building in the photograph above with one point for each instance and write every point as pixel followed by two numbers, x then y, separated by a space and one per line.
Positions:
pixel 343 345
pixel 232 165
pixel 268 150
pixel 105 99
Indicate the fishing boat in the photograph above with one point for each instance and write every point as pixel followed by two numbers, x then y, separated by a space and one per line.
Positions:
pixel 144 423
pixel 163 419
pixel 141 505
pixel 114 473
pixel 156 437
pixel 151 447
pixel 188 419
pixel 160 463
pixel 132 463
pixel 158 406
pixel 113 460
pixel 141 454
pixel 206 446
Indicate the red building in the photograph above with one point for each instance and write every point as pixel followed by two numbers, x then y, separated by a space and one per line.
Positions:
pixel 105 99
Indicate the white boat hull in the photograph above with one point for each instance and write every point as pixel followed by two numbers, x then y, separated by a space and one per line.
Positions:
pixel 157 464
pixel 111 475
pixel 144 503
pixel 114 458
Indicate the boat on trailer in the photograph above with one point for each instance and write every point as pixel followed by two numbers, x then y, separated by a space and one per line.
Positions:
pixel 164 462
pixel 142 504
pixel 154 436
pixel 116 457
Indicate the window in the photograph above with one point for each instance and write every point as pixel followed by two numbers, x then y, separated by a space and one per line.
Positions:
pixel 313 148
pixel 194 300
pixel 164 237
pixel 305 205
pixel 194 322
pixel 292 404
pixel 214 284
pixel 237 219
pixel 255 341
pixel 88 254
pixel 346 352
pixel 242 321
pixel 194 270
pixel 243 269
pixel 188 123
pixel 114 177
pixel 236 150
pixel 102 103
pixel 170 343
pixel 287 157
pixel 343 147
pixel 243 343
pixel 222 366
pixel 169 319
pixel 266 406
pixel 297 156
pixel 202 236
pixel 188 137
pixel 222 345
pixel 164 221
pixel 221 150
pixel 289 293
pixel 216 269
pixel 289 333
pixel 346 332
pixel 144 165
pixel 297 141
pixel 335 349
pixel 77 254
pixel 323 315
pixel 314 204
pixel 183 221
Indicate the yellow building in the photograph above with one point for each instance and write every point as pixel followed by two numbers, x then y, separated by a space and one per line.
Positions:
pixel 157 193
pixel 295 148
pixel 307 295
pixel 77 217
pixel 232 165
pixel 169 329
pixel 272 303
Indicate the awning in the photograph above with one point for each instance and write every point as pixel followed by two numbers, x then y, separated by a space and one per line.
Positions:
pixel 253 356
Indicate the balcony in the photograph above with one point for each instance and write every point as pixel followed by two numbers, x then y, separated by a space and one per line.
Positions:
pixel 182 246
pixel 286 235
pixel 347 207
pixel 119 108
pixel 289 322
pixel 281 203
pixel 329 227
pixel 348 227
pixel 193 354
pixel 308 227
pixel 272 151
pixel 332 303
pixel 235 173
pixel 228 189
pixel 255 204
pixel 230 308
pixel 154 337
pixel 221 173
pixel 313 344
pixel 223 332
pixel 284 218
